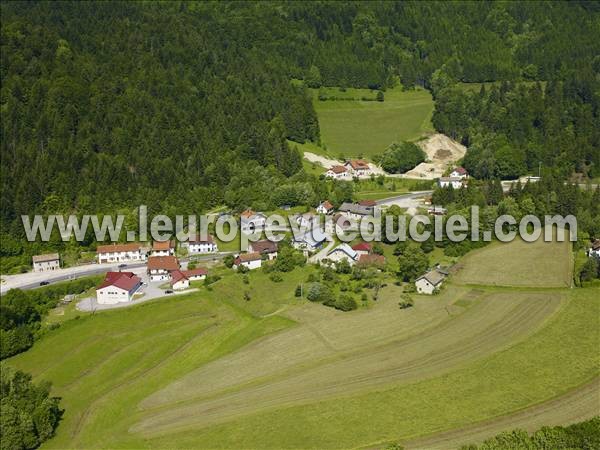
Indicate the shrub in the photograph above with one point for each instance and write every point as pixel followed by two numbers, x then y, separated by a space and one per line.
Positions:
pixel 298 291
pixel 275 277
pixel 406 301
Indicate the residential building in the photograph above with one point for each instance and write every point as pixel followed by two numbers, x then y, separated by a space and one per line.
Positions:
pixel 340 224
pixel 160 267
pixel 179 280
pixel 264 247
pixel 356 211
pixel 338 173
pixel 362 248
pixel 455 182
pixel 197 274
pixel 310 241
pixel 305 220
pixel 199 245
pixel 120 253
pixel 436 211
pixel 46 263
pixel 117 287
pixel 325 208
pixel 459 172
pixel 252 221
pixel 428 283
pixel 342 251
pixel 249 260
pixel 595 249
pixel 358 167
pixel 163 248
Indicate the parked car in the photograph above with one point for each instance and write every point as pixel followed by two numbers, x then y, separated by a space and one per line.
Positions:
pixel 44 283
pixel 122 266
pixel 168 291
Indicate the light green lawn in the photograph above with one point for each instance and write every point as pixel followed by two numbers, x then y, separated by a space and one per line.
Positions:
pixel 351 128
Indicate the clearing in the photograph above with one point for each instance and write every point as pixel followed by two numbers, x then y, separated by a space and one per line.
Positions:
pixel 442 154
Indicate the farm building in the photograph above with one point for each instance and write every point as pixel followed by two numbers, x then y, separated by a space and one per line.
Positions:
pixel 46 263
pixel 358 167
pixel 120 253
pixel 117 287
pixel 338 173
pixel 355 210
pixel 249 260
pixel 264 247
pixel 160 267
pixel 197 274
pixel 428 283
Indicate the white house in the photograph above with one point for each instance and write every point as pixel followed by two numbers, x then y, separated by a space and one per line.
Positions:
pixel 455 182
pixel 252 221
pixel 46 263
pixel 459 172
pixel 342 251
pixel 160 267
pixel 120 253
pixel 325 208
pixel 249 260
pixel 595 249
pixel 338 173
pixel 197 274
pixel 358 167
pixel 264 247
pixel 117 287
pixel 310 241
pixel 198 245
pixel 163 248
pixel 428 283
pixel 179 280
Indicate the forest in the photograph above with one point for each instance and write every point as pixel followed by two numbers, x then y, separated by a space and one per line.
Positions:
pixel 187 106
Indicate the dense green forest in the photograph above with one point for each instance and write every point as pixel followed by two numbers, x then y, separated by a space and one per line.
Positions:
pixel 186 106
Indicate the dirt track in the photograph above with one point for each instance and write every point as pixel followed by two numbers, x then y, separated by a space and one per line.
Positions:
pixel 326 359
pixel 575 406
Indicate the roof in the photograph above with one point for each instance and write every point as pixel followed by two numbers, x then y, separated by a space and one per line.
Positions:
pixel 264 246
pixel 122 280
pixel 367 203
pixel 362 247
pixel 46 257
pixel 168 263
pixel 198 240
pixel 198 272
pixel 312 238
pixel 131 247
pixel 596 245
pixel 355 208
pixel 450 179
pixel 163 245
pixel 460 170
pixel 247 213
pixel 246 257
pixel 375 260
pixel 327 205
pixel 345 248
pixel 338 169
pixel 177 275
pixel 359 164
pixel 434 277
pixel 342 221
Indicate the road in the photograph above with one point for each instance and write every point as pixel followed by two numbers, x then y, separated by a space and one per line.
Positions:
pixel 410 201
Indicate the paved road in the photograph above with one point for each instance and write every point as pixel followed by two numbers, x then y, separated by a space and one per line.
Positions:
pixel 410 201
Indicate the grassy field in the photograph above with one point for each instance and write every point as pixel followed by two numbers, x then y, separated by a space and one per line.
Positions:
pixel 213 370
pixel 519 263
pixel 354 127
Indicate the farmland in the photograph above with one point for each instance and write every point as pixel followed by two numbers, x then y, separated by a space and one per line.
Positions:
pixel 184 372
pixel 356 127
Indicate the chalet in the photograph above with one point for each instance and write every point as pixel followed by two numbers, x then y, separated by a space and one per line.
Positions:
pixel 160 267
pixel 356 211
pixel 163 248
pixel 310 241
pixel 197 274
pixel 179 280
pixel 428 283
pixel 358 167
pixel 252 221
pixel 120 253
pixel 455 182
pixel 436 211
pixel 362 248
pixel 342 251
pixel 371 260
pixel 264 247
pixel 46 263
pixel 199 245
pixel 459 172
pixel 325 208
pixel 338 173
pixel 249 260
pixel 117 287
pixel 595 249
